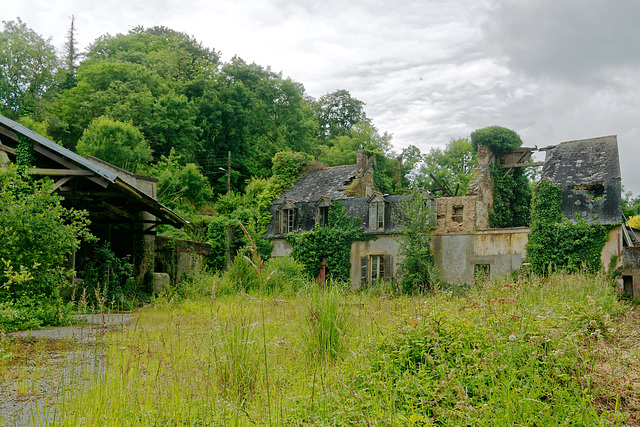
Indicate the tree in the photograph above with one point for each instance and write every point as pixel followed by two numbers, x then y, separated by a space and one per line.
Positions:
pixel 253 113
pixel 118 143
pixel 181 186
pixel 337 112
pixel 69 67
pixel 171 54
pixel 453 166
pixel 417 269
pixel 362 135
pixel 28 66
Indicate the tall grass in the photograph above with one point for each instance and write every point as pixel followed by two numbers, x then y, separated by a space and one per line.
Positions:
pixel 508 353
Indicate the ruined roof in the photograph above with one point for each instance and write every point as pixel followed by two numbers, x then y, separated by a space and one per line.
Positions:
pixel 588 172
pixel 329 182
pixel 582 162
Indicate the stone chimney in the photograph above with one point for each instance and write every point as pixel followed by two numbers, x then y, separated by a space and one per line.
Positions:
pixel 362 161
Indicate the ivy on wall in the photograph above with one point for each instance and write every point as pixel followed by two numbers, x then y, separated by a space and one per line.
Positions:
pixel 555 243
pixel 511 191
pixel 332 242
pixel 511 198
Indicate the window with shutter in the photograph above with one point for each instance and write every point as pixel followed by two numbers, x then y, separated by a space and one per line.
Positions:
pixel 388 273
pixel 363 271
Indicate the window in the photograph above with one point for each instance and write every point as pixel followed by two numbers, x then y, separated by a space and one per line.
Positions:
pixel 288 217
pixel 323 215
pixel 380 209
pixel 377 268
pixel 627 285
pixel 482 272
pixel 457 214
pixel 376 216
pixel 376 212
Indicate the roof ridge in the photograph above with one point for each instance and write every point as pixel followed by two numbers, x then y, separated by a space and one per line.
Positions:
pixel 333 167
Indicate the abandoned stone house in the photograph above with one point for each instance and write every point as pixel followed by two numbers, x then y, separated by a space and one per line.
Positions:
pixel 463 242
pixel 122 206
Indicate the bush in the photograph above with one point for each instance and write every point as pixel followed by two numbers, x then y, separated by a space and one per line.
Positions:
pixel 107 278
pixel 497 139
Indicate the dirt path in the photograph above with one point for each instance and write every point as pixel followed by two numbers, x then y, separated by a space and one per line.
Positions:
pixel 46 363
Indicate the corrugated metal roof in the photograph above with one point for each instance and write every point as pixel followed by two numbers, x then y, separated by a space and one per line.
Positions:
pixel 156 207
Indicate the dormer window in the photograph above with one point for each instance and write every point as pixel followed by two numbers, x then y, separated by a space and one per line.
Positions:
pixel 287 220
pixel 322 211
pixel 323 216
pixel 377 217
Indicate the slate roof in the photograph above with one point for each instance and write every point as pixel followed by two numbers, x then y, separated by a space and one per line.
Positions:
pixel 330 182
pixel 588 172
pixel 583 162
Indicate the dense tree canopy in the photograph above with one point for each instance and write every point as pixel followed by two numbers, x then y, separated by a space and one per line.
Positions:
pixel 28 65
pixel 179 96
pixel 118 143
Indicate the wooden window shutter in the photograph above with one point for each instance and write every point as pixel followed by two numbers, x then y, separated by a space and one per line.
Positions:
pixel 388 273
pixel 363 271
pixel 277 226
pixel 373 216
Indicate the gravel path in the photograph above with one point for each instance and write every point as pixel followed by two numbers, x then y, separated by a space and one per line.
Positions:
pixel 57 359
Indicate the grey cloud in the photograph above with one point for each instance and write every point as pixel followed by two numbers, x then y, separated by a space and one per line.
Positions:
pixel 571 39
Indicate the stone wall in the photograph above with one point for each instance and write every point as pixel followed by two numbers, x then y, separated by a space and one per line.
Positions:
pixel 459 255
pixel 446 221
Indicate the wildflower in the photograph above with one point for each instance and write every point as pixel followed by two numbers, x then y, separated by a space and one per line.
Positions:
pixel 512 337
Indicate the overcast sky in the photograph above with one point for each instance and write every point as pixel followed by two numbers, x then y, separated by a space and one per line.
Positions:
pixel 429 70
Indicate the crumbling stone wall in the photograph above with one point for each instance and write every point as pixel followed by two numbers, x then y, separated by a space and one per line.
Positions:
pixel 447 207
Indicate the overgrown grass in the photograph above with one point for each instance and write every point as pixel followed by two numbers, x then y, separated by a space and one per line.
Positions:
pixel 506 353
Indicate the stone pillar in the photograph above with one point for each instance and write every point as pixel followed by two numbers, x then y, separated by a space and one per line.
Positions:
pixel 148 249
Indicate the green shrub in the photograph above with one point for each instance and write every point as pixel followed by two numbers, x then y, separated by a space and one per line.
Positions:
pixel 106 278
pixel 496 138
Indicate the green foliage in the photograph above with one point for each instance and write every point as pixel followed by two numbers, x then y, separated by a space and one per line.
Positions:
pixel 471 361
pixel 417 269
pixel 28 66
pixel 454 166
pixel 171 54
pixel 511 198
pixel 37 235
pixel 287 166
pixel 118 143
pixel 555 243
pixel 327 322
pixel 181 186
pixel 337 112
pixel 332 242
pixel 107 279
pixel 342 149
pixel 497 139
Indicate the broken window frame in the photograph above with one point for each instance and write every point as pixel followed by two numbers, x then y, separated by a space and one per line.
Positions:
pixel 457 214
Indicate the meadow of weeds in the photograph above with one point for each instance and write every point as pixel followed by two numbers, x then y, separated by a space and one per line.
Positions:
pixel 521 352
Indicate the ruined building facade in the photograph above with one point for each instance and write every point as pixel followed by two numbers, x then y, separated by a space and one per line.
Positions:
pixel 463 243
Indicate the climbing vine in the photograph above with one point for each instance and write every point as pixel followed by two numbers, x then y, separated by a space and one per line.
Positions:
pixel 511 192
pixel 511 198
pixel 555 243
pixel 332 242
